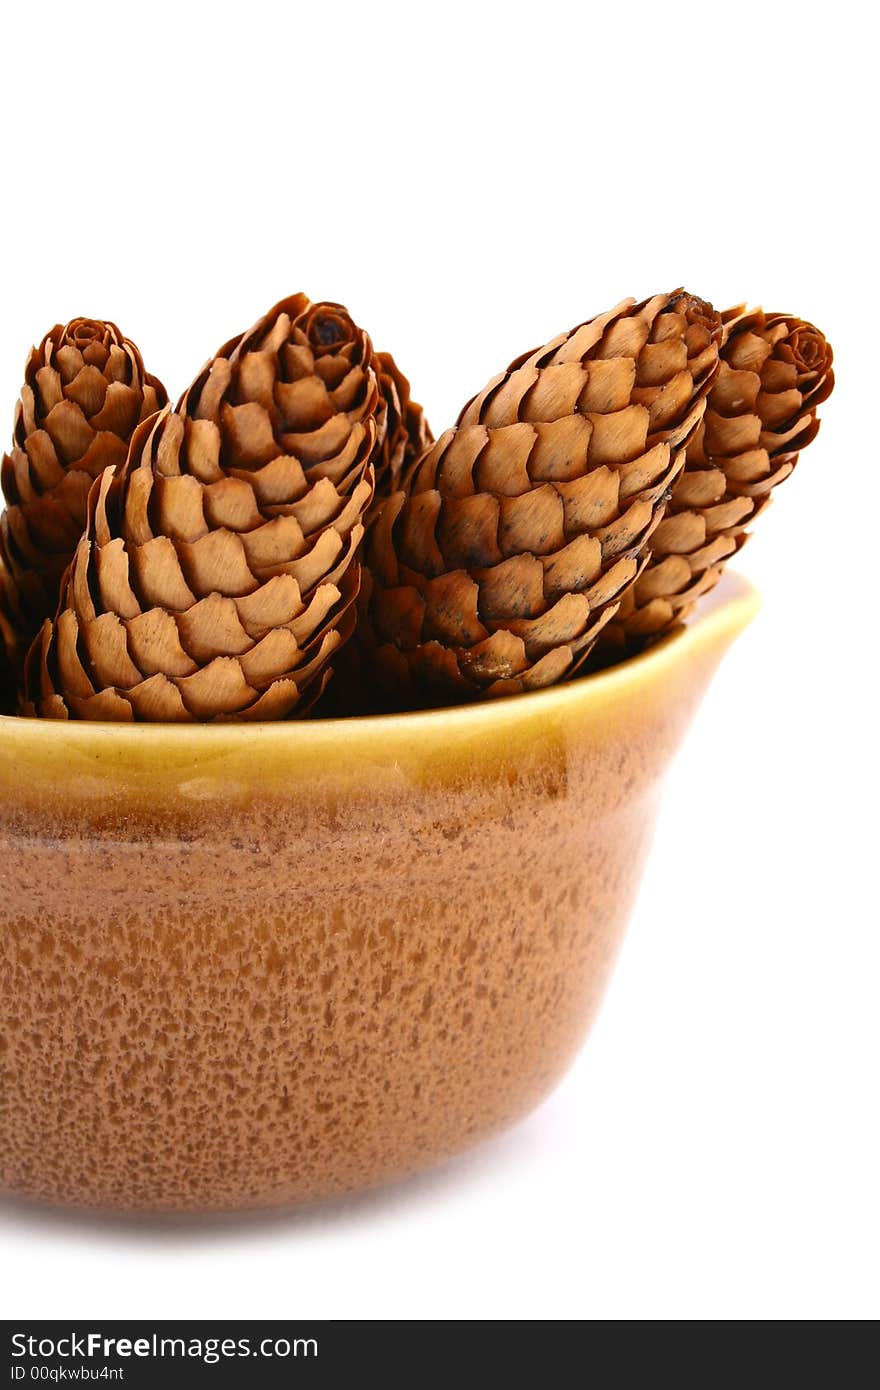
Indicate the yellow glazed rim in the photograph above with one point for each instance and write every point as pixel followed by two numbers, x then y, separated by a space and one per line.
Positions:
pixel 309 747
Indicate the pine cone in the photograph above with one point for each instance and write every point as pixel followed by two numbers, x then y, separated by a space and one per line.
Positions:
pixel 404 431
pixel 218 573
pixel 8 683
pixel 775 372
pixel 515 535
pixel 85 391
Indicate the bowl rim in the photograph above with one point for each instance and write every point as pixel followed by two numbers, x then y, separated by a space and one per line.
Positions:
pixel 721 615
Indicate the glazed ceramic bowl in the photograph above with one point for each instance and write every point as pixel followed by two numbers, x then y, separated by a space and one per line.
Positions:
pixel 247 965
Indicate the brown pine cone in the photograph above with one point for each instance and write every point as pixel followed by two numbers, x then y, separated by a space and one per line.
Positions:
pixel 516 534
pixel 219 570
pixel 8 683
pixel 404 430
pixel 775 372
pixel 85 392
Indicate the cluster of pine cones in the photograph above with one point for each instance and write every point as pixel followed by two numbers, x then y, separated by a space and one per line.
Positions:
pixel 293 513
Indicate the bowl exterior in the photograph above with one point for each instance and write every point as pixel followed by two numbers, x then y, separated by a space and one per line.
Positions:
pixel 256 967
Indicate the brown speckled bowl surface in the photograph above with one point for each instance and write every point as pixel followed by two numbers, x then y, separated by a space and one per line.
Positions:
pixel 258 964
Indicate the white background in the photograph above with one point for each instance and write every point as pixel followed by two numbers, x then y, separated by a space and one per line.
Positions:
pixel 470 181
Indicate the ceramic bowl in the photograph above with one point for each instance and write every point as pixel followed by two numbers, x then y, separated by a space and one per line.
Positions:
pixel 247 965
